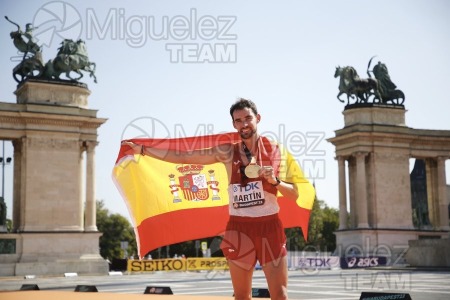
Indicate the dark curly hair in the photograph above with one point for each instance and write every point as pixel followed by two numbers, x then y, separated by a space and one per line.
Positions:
pixel 242 103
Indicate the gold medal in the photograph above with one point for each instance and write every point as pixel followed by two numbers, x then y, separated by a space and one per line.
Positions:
pixel 252 170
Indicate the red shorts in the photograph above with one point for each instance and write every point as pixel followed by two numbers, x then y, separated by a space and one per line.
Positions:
pixel 249 239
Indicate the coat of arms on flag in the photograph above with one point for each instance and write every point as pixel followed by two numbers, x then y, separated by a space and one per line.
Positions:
pixel 194 184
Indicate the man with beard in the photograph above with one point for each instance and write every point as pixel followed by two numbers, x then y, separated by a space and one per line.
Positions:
pixel 254 231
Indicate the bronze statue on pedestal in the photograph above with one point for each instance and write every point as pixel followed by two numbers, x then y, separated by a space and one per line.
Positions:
pixel 368 90
pixel 71 57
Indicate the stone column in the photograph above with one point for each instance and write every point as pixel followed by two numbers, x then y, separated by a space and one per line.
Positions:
pixel 442 194
pixel 361 190
pixel 90 213
pixel 432 191
pixel 351 166
pixel 81 183
pixel 17 184
pixel 342 194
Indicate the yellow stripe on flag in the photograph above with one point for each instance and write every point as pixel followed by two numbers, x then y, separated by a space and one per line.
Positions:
pixel 290 171
pixel 153 187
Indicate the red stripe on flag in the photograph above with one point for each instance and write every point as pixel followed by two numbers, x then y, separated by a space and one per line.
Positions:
pixel 293 215
pixel 207 222
pixel 177 226
pixel 183 144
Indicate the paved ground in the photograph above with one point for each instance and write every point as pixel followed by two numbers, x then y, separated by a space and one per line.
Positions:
pixel 303 284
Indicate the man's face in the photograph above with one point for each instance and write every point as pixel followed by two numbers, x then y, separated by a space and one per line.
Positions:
pixel 245 122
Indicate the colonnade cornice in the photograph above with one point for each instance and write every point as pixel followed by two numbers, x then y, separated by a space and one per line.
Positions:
pixel 415 135
pixel 56 121
pixel 392 129
pixel 349 155
pixel 428 143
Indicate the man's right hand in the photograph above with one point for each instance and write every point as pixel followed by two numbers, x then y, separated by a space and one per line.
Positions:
pixel 134 147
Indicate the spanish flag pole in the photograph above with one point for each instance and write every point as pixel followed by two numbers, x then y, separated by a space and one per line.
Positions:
pixel 172 203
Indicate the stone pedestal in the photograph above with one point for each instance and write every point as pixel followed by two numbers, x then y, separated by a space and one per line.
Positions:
pixel 374 114
pixel 53 92
pixel 53 221
pixel 52 254
pixel 390 243
pixel 429 253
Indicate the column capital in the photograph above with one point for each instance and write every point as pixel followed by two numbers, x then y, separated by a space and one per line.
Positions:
pixel 360 154
pixel 442 158
pixel 90 145
pixel 341 157
pixel 17 144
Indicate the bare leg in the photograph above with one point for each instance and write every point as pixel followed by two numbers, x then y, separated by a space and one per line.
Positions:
pixel 277 277
pixel 241 277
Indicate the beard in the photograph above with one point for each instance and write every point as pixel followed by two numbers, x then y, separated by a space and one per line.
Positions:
pixel 247 135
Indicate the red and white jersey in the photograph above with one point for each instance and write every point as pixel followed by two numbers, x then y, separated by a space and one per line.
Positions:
pixel 254 197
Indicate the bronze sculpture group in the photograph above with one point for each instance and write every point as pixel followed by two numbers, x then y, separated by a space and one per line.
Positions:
pixel 71 57
pixel 364 90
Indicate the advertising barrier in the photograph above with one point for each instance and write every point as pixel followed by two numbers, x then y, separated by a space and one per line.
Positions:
pixel 178 264
pixel 362 262
pixel 314 262
pixel 220 263
pixel 208 264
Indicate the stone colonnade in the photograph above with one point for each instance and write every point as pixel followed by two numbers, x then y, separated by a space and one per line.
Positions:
pixel 355 166
pixel 85 212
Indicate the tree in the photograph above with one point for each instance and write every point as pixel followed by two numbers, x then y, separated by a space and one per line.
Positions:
pixel 330 225
pixel 323 222
pixel 115 229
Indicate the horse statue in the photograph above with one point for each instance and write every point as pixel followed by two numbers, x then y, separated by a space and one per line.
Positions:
pixel 388 89
pixel 32 63
pixel 351 84
pixel 71 57
pixel 24 41
pixel 29 67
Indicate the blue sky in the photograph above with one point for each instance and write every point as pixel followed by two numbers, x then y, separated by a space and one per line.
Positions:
pixel 281 54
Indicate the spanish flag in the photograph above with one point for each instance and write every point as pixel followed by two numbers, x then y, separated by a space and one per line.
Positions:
pixel 172 203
